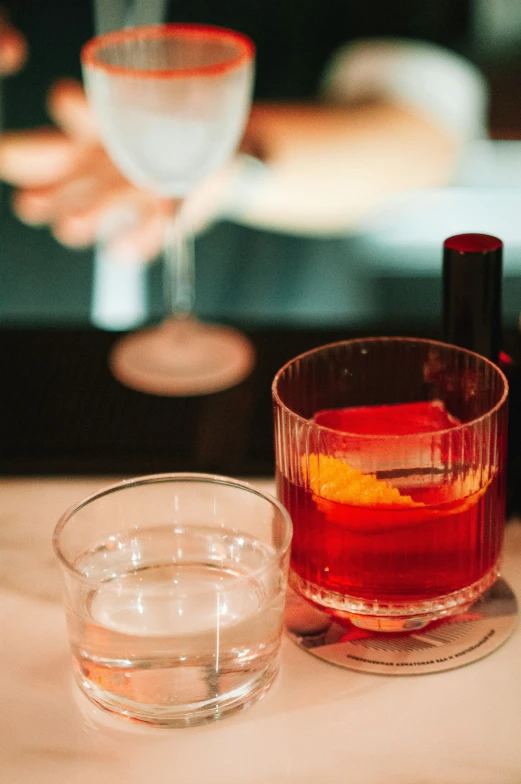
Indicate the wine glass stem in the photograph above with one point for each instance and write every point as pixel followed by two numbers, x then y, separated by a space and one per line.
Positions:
pixel 178 267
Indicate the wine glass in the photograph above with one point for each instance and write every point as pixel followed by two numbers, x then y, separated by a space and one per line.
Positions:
pixel 171 102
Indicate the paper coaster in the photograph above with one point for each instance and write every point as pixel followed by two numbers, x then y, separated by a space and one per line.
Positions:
pixel 443 645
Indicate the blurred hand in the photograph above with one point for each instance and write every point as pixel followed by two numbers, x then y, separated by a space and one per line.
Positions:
pixel 64 179
pixel 13 46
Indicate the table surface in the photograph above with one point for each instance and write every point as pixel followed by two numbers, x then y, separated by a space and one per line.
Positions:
pixel 318 723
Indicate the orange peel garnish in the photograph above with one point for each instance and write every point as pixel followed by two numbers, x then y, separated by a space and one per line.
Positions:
pixel 335 480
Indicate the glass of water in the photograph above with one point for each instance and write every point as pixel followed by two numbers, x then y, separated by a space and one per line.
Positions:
pixel 174 588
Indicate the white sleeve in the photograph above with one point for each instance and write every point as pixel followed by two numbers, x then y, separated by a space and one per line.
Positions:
pixel 425 77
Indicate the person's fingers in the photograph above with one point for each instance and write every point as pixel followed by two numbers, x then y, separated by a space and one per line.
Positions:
pixel 46 204
pixel 81 226
pixel 35 157
pixel 44 156
pixel 13 47
pixel 75 204
pixel 90 177
pixel 70 110
pixel 96 188
pixel 143 241
pixel 34 206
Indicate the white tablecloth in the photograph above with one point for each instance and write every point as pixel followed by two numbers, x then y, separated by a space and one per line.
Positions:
pixel 319 724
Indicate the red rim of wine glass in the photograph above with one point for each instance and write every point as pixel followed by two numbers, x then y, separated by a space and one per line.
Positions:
pixel 245 50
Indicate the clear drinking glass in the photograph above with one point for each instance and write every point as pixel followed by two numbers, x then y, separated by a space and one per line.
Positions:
pixel 390 458
pixel 174 589
pixel 171 103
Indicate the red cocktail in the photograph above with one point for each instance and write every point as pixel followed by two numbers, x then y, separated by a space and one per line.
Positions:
pixel 395 482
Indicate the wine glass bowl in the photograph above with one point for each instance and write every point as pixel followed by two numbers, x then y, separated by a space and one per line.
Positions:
pixel 171 102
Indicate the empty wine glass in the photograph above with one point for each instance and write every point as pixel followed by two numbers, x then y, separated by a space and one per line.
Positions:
pixel 171 102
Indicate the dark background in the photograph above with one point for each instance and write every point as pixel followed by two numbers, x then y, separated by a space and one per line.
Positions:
pixel 63 413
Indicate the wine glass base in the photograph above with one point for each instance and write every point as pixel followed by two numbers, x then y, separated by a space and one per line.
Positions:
pixel 182 357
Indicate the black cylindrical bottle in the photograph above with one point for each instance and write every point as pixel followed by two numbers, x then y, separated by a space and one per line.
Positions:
pixel 472 277
pixel 472 318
